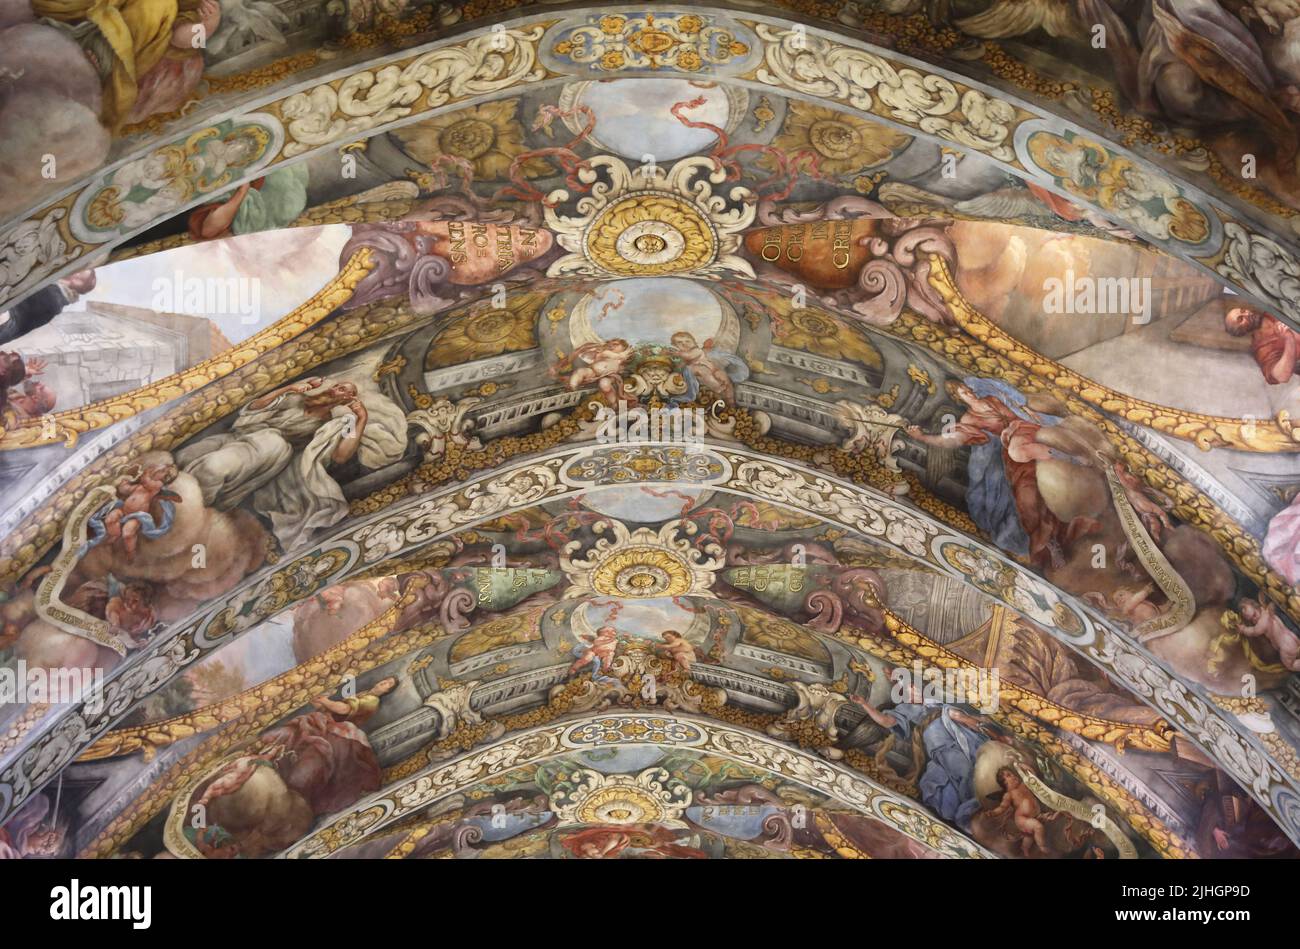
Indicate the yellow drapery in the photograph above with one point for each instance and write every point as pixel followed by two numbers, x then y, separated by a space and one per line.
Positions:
pixel 139 32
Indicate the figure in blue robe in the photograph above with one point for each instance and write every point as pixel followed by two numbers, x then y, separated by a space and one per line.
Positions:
pixel 947 778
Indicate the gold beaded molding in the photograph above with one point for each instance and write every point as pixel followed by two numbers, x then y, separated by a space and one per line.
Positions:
pixel 68 426
pixel 1204 431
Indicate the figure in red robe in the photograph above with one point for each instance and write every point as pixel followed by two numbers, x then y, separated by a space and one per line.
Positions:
pixel 632 840
pixel 324 756
pixel 1275 346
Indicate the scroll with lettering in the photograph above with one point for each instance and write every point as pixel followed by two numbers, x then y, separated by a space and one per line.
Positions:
pixel 872 265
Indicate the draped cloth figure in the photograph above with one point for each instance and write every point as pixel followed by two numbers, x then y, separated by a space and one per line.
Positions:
pixel 279 457
pixel 947 778
pixel 137 31
pixel 326 757
pixel 1282 542
pixel 1003 496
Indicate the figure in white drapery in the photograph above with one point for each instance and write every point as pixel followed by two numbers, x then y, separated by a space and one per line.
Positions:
pixel 282 448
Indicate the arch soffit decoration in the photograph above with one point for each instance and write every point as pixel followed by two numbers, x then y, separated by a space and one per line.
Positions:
pixel 415 522
pixel 848 73
pixel 1241 750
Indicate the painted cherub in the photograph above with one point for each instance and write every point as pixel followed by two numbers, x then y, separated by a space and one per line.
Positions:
pixel 707 373
pixel 1020 803
pixel 1129 604
pixel 1261 619
pixel 604 367
pixel 129 610
pixel 680 651
pixel 596 650
pixel 133 510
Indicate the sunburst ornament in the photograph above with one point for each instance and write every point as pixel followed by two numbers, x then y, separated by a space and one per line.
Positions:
pixel 647 222
pixel 642 563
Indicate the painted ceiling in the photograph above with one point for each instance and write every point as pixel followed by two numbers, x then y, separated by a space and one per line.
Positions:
pixel 674 431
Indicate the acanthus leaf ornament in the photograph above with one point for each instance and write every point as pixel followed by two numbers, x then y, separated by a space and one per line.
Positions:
pixel 370 98
pixel 641 563
pixel 652 796
pixel 871 83
pixel 651 222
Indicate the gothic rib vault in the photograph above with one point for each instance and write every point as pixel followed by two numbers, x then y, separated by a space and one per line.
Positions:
pixel 698 431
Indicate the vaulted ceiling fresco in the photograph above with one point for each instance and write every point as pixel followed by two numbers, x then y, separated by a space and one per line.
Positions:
pixel 702 431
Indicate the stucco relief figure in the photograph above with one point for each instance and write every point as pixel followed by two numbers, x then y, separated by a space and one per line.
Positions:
pixel 443 424
pixel 162 181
